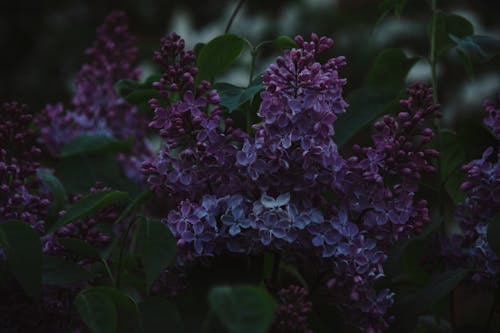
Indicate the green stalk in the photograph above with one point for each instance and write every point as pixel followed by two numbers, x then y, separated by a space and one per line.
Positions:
pixel 108 270
pixel 253 53
pixel 437 124
pixel 233 15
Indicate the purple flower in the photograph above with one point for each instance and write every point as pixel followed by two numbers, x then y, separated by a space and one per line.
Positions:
pixel 96 109
pixel 22 195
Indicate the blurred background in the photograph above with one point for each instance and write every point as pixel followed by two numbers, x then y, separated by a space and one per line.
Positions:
pixel 43 42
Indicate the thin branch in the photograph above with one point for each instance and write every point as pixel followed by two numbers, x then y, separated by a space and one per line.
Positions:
pixel 233 15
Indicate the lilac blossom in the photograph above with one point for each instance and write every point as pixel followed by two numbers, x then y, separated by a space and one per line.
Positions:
pixel 22 195
pixel 199 144
pixel 86 229
pixel 293 310
pixel 492 121
pixel 96 108
pixel 470 248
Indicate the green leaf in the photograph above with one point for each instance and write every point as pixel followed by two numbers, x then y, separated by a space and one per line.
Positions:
pixel 450 24
pixel 243 309
pixel 390 69
pixel 285 43
pixel 482 48
pixel 60 272
pixel 79 173
pixel 127 309
pixel 365 105
pixel 437 289
pixel 97 311
pixel 59 198
pixel 156 248
pixel 396 6
pixel 79 247
pixel 142 95
pixel 493 234
pixel 218 55
pixel 125 87
pixel 95 144
pixel 138 93
pixel 138 200
pixel 23 249
pixel 232 97
pixel 452 157
pixel 157 313
pixel 197 48
pixel 89 205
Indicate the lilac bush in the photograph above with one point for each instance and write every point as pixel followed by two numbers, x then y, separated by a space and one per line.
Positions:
pixel 269 183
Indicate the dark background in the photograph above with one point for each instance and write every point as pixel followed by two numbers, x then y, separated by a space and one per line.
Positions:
pixel 43 42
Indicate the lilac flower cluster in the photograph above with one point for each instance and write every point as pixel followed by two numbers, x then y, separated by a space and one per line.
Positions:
pixel 86 230
pixel 391 169
pixel 96 107
pixel 199 145
pixel 470 249
pixel 492 121
pixel 293 310
pixel 293 147
pixel 270 187
pixel 21 192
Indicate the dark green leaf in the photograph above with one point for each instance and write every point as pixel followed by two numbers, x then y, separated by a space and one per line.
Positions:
pixel 138 200
pixel 138 93
pixel 151 79
pixel 157 313
pixel 218 55
pixel 232 97
pixel 395 6
pixel 285 43
pixel 452 157
pixel 142 95
pixel 80 173
pixel 97 311
pixel 59 198
pixel 23 249
pixel 493 234
pixel 197 48
pixel 365 105
pixel 89 205
pixel 94 144
pixel 438 288
pixel 446 25
pixel 79 247
pixel 125 87
pixel 156 248
pixel 467 61
pixel 478 47
pixel 390 69
pixel 60 272
pixel 127 310
pixel 243 309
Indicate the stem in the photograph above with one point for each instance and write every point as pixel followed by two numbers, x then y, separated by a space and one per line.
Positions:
pixel 205 325
pixel 122 248
pixel 252 65
pixel 248 119
pixel 490 315
pixel 108 270
pixel 233 15
pixel 276 270
pixel 437 124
